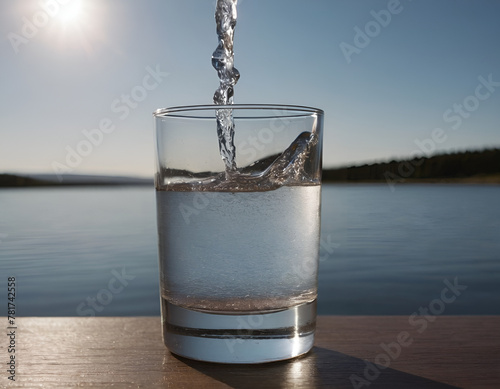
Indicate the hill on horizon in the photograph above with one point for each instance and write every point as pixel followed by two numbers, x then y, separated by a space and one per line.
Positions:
pixel 483 166
pixel 30 180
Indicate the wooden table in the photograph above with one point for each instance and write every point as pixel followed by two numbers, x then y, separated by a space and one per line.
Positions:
pixel 127 352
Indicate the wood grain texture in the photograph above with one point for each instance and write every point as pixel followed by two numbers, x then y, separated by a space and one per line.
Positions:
pixel 127 352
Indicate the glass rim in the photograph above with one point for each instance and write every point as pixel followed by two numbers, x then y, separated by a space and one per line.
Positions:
pixel 289 110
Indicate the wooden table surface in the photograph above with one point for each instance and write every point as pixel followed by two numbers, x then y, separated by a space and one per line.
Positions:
pixel 127 352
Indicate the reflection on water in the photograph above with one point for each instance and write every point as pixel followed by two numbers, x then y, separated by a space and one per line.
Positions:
pixel 383 252
pixel 396 249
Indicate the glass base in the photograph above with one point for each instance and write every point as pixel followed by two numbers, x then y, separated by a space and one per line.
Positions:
pixel 229 337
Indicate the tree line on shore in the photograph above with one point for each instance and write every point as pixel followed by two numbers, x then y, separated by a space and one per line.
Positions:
pixel 468 165
pixel 438 167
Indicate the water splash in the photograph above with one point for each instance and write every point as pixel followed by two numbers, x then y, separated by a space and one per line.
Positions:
pixel 286 169
pixel 223 62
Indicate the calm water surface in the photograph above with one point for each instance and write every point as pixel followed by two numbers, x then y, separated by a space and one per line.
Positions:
pixel 83 251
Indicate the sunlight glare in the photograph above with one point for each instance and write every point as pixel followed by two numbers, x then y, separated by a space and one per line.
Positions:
pixel 71 12
pixel 79 26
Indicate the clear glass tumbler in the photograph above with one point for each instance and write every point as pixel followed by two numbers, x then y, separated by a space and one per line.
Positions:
pixel 239 247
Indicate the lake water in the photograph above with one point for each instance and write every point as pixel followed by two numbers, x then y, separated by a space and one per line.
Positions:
pixel 93 250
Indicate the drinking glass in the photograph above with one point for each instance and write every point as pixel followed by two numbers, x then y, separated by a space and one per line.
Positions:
pixel 239 247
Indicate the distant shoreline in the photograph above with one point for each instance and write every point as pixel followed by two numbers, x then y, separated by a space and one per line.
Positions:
pixel 21 182
pixel 73 185
pixel 74 180
pixel 469 167
pixel 475 180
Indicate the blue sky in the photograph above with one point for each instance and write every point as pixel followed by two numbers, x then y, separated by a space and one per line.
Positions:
pixel 431 64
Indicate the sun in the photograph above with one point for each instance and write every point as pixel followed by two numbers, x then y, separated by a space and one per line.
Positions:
pixel 72 12
pixel 77 25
